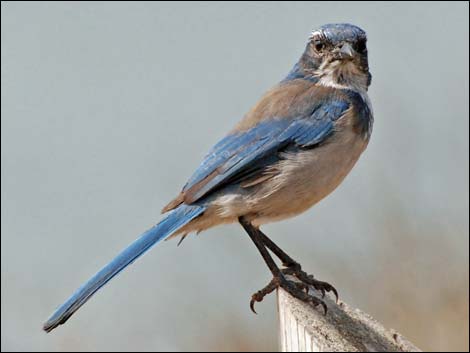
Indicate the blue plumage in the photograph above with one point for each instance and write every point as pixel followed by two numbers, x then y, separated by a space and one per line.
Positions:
pixel 338 32
pixel 364 116
pixel 298 72
pixel 174 221
pixel 292 149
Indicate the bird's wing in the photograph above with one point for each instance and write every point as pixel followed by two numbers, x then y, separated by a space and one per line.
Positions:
pixel 241 154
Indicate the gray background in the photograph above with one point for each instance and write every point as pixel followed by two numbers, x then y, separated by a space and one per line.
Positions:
pixel 108 108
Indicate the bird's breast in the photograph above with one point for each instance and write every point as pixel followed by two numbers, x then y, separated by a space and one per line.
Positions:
pixel 304 177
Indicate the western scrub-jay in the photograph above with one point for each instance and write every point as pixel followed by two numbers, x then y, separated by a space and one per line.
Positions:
pixel 292 149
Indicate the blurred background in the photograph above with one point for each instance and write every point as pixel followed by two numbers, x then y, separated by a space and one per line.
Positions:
pixel 108 108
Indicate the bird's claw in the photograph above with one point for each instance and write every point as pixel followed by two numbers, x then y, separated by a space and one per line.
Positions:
pixel 252 305
pixel 258 296
pixel 299 290
pixel 309 280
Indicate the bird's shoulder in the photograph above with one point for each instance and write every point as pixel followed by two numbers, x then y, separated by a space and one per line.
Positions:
pixel 294 99
pixel 361 111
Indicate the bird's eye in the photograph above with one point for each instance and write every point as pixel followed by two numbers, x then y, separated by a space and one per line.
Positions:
pixel 318 45
pixel 361 46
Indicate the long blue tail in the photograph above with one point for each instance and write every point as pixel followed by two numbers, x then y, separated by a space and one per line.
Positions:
pixel 174 221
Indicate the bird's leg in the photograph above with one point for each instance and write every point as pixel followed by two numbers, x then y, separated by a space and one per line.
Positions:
pixel 294 288
pixel 287 261
pixel 293 268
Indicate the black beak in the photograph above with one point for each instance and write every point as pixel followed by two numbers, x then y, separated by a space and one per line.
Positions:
pixel 346 51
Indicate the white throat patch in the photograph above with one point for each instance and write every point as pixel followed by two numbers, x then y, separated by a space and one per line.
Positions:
pixel 341 75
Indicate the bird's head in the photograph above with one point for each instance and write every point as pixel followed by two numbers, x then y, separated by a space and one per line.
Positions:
pixel 336 55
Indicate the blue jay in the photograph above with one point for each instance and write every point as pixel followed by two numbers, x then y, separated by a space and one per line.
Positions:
pixel 293 148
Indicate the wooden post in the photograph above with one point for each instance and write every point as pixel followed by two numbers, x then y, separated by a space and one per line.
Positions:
pixel 344 329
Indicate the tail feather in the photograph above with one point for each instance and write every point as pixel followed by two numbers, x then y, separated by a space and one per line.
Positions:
pixel 175 220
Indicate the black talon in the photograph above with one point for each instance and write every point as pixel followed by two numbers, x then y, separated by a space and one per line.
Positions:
pixel 325 308
pixel 322 287
pixel 252 306
pixel 258 296
pixel 335 292
pixel 297 288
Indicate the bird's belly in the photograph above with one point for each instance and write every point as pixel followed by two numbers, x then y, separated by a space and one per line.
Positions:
pixel 306 177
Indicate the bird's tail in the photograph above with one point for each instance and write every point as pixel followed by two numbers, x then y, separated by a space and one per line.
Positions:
pixel 175 220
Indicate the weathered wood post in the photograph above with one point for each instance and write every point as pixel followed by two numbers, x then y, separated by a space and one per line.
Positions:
pixel 303 328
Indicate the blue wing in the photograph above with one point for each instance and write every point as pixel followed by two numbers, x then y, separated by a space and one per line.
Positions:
pixel 242 153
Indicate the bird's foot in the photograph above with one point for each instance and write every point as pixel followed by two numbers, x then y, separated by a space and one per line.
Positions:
pixel 297 289
pixel 308 280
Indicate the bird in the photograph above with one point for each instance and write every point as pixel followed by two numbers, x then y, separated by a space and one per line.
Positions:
pixel 291 150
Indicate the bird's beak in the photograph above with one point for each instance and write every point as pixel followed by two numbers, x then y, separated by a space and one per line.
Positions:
pixel 346 51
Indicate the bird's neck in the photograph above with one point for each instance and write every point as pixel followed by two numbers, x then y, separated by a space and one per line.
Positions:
pixel 341 76
pixel 299 72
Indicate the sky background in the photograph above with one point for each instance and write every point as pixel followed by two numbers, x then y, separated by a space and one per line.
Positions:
pixel 106 110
